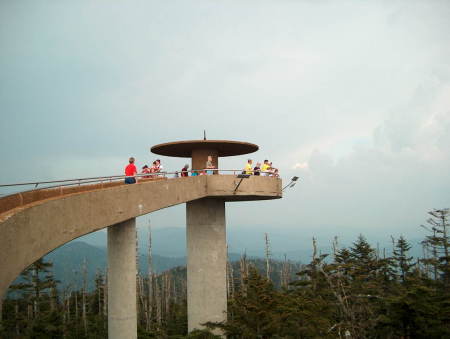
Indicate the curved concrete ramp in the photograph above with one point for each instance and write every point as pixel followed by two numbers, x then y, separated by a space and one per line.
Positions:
pixel 31 230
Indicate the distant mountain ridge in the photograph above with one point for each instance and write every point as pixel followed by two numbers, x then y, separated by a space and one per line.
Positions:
pixel 171 242
pixel 69 261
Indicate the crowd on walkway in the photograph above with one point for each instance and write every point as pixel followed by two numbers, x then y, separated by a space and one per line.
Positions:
pixel 156 170
pixel 131 171
pixel 265 170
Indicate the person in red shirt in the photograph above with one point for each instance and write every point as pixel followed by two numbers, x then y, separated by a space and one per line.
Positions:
pixel 130 172
pixel 146 170
pixel 184 171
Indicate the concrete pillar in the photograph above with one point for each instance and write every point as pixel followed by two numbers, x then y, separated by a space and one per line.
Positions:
pixel 122 320
pixel 206 262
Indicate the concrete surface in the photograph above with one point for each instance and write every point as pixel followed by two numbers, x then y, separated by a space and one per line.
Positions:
pixel 122 308
pixel 206 262
pixel 30 231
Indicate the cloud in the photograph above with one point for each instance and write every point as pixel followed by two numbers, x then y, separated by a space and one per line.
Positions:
pixel 355 98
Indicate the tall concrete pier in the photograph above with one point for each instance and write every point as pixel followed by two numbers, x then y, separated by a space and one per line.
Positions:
pixel 207 261
pixel 206 232
pixel 122 321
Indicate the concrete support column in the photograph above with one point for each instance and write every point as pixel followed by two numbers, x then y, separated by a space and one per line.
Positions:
pixel 206 262
pixel 122 320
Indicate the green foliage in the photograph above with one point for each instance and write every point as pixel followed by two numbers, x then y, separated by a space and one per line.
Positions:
pixel 357 292
pixel 253 310
pixel 438 244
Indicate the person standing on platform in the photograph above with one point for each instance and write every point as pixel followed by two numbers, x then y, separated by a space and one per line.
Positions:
pixel 248 167
pixel 209 165
pixel 265 168
pixel 146 170
pixel 130 172
pixel 159 167
pixel 154 168
pixel 257 169
pixel 273 172
pixel 184 171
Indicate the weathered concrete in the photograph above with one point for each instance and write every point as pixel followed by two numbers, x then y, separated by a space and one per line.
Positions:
pixel 32 230
pixel 122 319
pixel 224 148
pixel 206 261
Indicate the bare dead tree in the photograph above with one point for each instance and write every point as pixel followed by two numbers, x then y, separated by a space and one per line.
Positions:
pixel 230 277
pixel 335 246
pixel 267 254
pixel 16 310
pixel 158 302
pixel 37 292
pixel 76 305
pixel 230 280
pixel 243 267
pixel 167 295
pixel 99 279
pixel 285 272
pixel 150 277
pixel 105 298
pixel 314 243
pixel 84 292
pixel 68 305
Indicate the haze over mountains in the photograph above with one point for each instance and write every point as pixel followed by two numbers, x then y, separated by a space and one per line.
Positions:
pixel 169 249
pixel 296 244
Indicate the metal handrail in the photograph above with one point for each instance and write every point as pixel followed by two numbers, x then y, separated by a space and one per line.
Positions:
pixel 115 177
pixel 89 180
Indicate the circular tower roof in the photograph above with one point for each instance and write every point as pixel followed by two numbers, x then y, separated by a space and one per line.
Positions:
pixel 183 149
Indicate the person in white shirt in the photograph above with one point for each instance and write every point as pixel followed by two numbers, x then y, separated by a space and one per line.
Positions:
pixel 159 167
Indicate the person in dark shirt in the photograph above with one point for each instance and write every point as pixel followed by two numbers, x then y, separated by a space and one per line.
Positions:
pixel 257 169
pixel 184 171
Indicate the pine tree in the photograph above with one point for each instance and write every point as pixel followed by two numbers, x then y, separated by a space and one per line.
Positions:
pixel 439 243
pixel 253 315
pixel 402 261
pixel 36 281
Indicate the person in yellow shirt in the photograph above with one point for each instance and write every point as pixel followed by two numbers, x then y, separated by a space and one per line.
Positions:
pixel 248 167
pixel 265 168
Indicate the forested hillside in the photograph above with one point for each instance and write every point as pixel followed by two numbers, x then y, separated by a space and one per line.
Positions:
pixel 73 261
pixel 351 292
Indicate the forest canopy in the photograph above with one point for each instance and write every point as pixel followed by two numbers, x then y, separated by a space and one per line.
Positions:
pixel 352 292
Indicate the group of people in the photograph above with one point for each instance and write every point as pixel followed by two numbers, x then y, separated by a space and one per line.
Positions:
pixel 265 170
pixel 208 170
pixel 156 168
pixel 131 170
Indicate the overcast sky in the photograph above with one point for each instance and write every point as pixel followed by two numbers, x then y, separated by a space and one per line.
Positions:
pixel 351 96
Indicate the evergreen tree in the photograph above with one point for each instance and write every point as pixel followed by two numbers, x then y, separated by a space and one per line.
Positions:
pixel 253 312
pixel 439 244
pixel 402 261
pixel 37 280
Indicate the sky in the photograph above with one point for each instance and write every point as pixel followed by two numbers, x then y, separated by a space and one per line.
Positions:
pixel 351 96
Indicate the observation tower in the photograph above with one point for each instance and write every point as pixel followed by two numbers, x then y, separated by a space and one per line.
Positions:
pixel 37 221
pixel 206 225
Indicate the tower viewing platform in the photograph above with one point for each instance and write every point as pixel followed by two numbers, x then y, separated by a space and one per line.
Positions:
pixel 35 222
